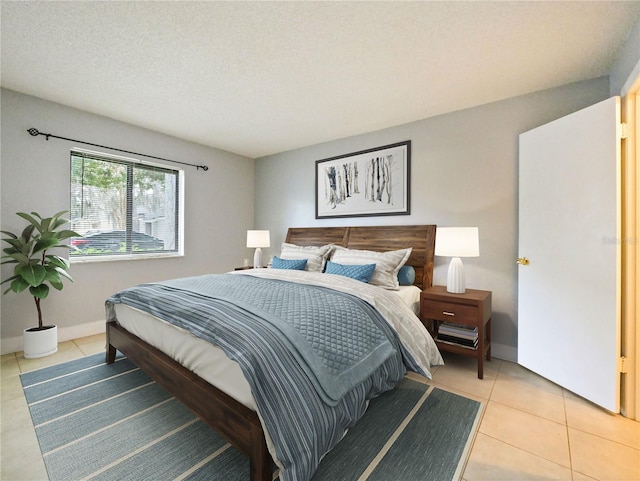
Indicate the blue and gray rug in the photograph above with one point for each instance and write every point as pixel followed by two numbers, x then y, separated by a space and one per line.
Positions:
pixel 112 422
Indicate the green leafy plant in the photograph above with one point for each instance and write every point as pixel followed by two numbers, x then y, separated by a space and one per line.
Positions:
pixel 35 269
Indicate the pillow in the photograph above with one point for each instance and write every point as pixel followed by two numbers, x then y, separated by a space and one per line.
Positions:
pixel 294 264
pixel 316 256
pixel 387 263
pixel 358 272
pixel 406 276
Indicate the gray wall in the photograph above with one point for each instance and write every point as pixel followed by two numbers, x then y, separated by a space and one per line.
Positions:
pixel 464 172
pixel 35 177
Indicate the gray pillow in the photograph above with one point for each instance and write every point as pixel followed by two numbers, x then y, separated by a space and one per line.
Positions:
pixel 316 256
pixel 387 263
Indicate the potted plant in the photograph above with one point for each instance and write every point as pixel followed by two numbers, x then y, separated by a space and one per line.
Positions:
pixel 37 270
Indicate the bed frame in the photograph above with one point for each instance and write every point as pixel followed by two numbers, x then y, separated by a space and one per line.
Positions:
pixel 232 420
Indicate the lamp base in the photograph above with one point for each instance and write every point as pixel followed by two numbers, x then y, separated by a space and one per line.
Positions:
pixel 257 258
pixel 455 277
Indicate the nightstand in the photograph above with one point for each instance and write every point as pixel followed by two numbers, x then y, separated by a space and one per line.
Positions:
pixel 459 323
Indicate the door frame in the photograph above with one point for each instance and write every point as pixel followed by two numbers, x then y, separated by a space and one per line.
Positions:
pixel 630 241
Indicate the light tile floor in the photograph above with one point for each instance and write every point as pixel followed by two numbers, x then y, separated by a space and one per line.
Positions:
pixel 531 428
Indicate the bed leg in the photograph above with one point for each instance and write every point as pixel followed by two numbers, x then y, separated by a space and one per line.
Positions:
pixel 261 464
pixel 111 354
pixel 111 351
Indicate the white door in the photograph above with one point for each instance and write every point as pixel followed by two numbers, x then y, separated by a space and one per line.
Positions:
pixel 568 294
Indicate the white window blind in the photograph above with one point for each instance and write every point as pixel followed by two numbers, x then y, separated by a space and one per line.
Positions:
pixel 123 207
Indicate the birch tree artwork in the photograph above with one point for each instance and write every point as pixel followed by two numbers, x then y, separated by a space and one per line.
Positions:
pixel 341 183
pixel 379 185
pixel 371 182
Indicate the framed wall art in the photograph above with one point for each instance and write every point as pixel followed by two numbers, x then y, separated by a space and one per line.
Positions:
pixel 371 182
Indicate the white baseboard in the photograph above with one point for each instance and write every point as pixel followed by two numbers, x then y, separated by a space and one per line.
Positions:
pixel 14 344
pixel 11 344
pixel 504 352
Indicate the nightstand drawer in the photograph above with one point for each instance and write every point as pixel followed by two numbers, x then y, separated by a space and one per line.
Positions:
pixel 447 311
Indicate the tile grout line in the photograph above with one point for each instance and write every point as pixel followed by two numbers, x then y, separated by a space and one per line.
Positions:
pixel 566 424
pixel 502 441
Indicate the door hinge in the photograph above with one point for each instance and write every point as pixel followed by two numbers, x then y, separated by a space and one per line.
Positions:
pixel 623 130
pixel 622 365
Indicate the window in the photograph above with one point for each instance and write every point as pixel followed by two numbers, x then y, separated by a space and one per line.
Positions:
pixel 123 207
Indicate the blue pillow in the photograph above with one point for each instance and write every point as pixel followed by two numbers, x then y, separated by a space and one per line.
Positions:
pixel 406 276
pixel 359 272
pixel 294 264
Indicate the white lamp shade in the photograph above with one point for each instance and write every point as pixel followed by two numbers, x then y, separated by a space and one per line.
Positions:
pixel 457 242
pixel 258 238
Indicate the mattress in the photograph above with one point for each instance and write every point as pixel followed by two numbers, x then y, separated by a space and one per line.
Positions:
pixel 204 359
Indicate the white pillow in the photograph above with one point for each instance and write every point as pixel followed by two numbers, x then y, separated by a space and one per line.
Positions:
pixel 316 256
pixel 387 263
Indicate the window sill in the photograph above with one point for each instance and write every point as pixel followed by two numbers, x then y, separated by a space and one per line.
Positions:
pixel 136 257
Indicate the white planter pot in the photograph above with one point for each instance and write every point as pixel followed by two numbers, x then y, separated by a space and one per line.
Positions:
pixel 40 343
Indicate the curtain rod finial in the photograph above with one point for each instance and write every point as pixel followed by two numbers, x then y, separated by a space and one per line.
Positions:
pixel 203 167
pixel 33 131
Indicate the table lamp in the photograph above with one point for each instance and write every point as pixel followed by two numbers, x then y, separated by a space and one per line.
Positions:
pixel 258 239
pixel 457 242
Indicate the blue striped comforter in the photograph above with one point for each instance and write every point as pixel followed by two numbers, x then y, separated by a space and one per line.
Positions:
pixel 312 356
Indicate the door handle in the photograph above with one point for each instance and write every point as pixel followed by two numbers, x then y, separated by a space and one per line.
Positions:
pixel 522 261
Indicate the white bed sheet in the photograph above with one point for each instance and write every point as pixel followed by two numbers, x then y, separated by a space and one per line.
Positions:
pixel 410 295
pixel 203 358
pixel 200 356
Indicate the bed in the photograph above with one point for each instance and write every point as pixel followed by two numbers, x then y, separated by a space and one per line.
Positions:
pixel 232 414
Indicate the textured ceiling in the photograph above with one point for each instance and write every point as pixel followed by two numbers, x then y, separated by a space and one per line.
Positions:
pixel 257 78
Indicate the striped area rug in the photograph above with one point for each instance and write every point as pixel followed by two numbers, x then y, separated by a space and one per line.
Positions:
pixel 112 422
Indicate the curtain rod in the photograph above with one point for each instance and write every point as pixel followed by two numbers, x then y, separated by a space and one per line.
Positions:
pixel 35 133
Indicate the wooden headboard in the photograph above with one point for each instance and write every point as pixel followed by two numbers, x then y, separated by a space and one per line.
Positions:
pixel 422 238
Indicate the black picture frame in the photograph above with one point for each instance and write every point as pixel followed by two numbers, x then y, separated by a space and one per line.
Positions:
pixel 372 182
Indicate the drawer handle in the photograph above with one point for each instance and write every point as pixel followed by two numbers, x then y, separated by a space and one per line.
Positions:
pixel 446 313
